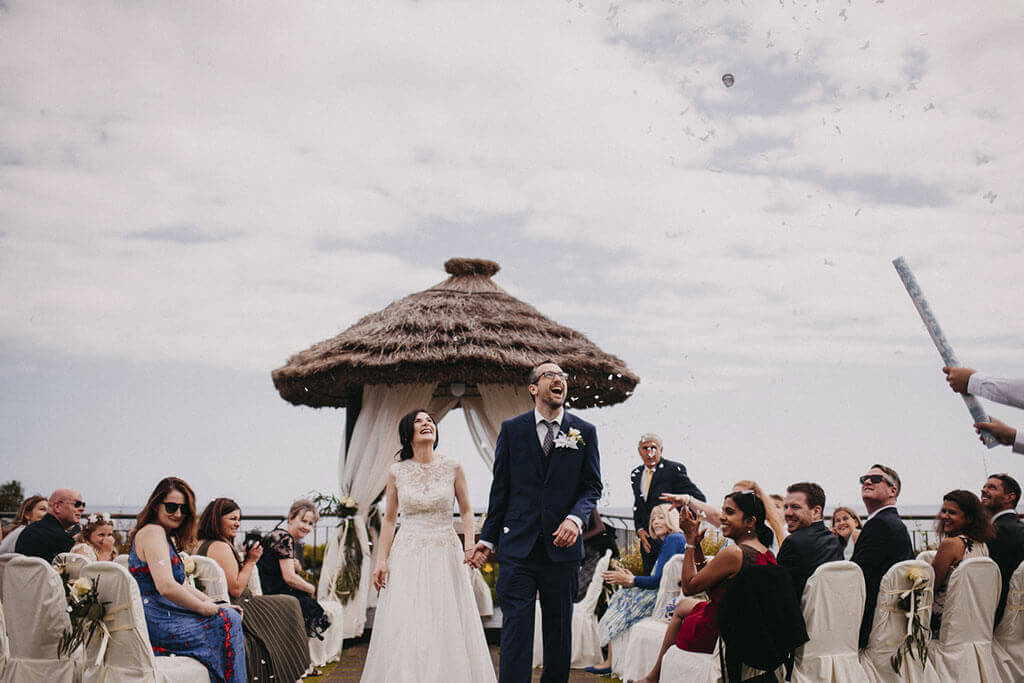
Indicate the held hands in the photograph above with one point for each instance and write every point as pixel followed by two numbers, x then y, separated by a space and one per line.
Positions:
pixel 380 575
pixel 566 534
pixel 646 544
pixel 479 555
pixel 958 378
pixel 1003 432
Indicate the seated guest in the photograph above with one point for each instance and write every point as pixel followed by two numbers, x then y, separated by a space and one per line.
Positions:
pixel 1000 496
pixel 276 647
pixel 280 566
pixel 883 542
pixel 649 480
pixel 694 625
pixel 809 543
pixel 181 620
pixel 32 509
pixel 965 528
pixel 48 537
pixel 712 515
pixel 597 539
pixel 846 526
pixel 636 600
pixel 96 539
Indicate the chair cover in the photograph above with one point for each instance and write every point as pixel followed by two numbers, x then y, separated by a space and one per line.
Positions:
pixel 329 649
pixel 254 585
pixel 5 647
pixel 889 627
pixel 36 614
pixel 128 654
pixel 635 650
pixel 833 602
pixel 481 591
pixel 210 579
pixel 1008 642
pixel 927 556
pixel 963 650
pixel 4 559
pixel 586 650
pixel 698 667
pixel 122 560
pixel 74 562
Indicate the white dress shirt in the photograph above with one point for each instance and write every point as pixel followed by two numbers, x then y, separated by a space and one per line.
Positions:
pixel 1003 390
pixel 884 507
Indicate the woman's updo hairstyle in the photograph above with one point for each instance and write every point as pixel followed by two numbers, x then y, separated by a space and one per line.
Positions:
pixel 752 506
pixel 405 433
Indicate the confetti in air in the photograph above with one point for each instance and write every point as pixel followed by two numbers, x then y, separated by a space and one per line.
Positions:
pixel 728 80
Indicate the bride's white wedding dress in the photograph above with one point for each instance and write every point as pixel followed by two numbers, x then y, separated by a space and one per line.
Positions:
pixel 427 627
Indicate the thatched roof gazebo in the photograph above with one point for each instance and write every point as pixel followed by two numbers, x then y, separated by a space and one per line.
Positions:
pixel 465 330
pixel 465 343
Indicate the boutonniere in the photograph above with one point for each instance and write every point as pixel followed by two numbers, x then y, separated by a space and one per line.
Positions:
pixel 571 439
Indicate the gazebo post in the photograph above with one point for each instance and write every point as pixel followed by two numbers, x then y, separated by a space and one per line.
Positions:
pixel 353 404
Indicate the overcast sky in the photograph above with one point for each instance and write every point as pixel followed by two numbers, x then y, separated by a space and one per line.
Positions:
pixel 192 192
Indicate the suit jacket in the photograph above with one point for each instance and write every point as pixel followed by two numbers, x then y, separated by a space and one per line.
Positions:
pixel 531 494
pixel 1007 550
pixel 883 542
pixel 45 538
pixel 805 550
pixel 668 477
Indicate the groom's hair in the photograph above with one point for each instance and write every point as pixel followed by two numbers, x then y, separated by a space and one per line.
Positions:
pixel 535 372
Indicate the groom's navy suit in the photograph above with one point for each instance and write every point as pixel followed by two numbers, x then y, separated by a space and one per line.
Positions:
pixel 531 495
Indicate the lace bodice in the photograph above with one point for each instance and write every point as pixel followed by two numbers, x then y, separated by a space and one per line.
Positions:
pixel 426 494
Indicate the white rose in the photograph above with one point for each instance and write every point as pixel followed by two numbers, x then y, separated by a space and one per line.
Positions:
pixel 188 563
pixel 80 588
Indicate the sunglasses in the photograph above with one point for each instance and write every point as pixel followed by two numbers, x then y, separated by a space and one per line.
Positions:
pixel 875 479
pixel 76 503
pixel 173 508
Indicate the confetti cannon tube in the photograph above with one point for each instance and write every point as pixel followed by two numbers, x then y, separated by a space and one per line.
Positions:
pixel 932 325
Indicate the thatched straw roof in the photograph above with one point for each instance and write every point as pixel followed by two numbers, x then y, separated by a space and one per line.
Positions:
pixel 465 330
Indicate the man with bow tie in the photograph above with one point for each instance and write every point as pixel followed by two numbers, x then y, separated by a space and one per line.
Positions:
pixel 651 479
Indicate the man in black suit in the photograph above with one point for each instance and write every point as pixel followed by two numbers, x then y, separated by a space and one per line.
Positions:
pixel 1000 496
pixel 884 540
pixel 649 480
pixel 48 537
pixel 809 544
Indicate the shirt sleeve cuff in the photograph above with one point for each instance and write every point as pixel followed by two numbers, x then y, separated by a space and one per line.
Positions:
pixel 974 382
pixel 1018 444
pixel 490 546
pixel 577 521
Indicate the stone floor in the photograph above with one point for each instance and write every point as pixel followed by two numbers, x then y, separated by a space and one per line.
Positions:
pixel 350 667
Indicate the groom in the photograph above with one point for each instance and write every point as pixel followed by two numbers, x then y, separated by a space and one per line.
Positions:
pixel 547 480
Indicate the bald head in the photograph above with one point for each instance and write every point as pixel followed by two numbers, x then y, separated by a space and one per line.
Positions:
pixel 67 506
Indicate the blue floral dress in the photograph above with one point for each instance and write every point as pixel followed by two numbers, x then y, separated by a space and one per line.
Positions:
pixel 173 630
pixel 629 605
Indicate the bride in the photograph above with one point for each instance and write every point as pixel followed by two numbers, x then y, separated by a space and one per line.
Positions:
pixel 426 627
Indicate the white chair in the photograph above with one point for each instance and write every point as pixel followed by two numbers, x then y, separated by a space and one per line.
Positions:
pixel 833 602
pixel 927 556
pixel 4 559
pixel 74 563
pixel 1008 641
pixel 698 667
pixel 586 650
pixel 329 649
pixel 254 585
pixel 963 650
pixel 635 650
pixel 36 614
pixel 122 560
pixel 481 592
pixel 128 654
pixel 5 646
pixel 210 579
pixel 889 627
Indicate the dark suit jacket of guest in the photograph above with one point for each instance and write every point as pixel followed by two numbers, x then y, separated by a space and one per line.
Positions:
pixel 883 542
pixel 668 477
pixel 45 538
pixel 1007 550
pixel 805 550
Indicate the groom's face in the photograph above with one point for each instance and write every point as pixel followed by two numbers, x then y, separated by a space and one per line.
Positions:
pixel 551 386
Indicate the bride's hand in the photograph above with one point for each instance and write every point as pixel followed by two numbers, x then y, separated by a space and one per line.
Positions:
pixel 380 575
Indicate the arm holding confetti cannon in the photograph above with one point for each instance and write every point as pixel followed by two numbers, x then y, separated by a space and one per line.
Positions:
pixel 999 389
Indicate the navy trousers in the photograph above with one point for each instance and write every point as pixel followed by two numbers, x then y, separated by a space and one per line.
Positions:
pixel 519 582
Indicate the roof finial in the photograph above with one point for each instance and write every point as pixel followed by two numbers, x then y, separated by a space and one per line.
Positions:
pixel 471 266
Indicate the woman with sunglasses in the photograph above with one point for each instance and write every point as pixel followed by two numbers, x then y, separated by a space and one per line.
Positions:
pixel 181 619
pixel 694 625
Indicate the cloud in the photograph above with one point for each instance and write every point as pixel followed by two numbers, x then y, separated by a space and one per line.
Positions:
pixel 184 233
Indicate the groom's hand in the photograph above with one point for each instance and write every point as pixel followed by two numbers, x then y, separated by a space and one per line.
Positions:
pixel 481 555
pixel 566 533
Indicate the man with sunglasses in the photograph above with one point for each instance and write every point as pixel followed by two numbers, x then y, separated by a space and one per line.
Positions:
pixel 49 537
pixel 884 540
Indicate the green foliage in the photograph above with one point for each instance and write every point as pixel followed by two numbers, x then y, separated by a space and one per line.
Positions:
pixel 631 559
pixel 11 496
pixel 347 583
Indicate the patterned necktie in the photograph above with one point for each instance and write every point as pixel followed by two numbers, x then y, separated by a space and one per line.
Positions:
pixel 549 438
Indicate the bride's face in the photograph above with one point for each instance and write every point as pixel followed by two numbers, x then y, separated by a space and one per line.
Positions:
pixel 424 429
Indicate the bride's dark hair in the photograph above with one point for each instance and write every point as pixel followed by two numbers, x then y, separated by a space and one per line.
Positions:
pixel 405 430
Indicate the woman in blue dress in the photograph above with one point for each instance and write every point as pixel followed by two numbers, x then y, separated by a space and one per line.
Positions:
pixel 639 593
pixel 180 619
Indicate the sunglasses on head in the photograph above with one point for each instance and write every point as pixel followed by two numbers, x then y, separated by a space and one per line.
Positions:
pixel 173 508
pixel 875 479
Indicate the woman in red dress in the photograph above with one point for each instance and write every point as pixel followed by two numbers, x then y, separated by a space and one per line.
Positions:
pixel 694 626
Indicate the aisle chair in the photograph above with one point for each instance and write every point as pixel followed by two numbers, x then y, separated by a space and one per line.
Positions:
pixel 210 579
pixel 927 556
pixel 963 650
pixel 1008 640
pixel 73 562
pixel 832 604
pixel 635 649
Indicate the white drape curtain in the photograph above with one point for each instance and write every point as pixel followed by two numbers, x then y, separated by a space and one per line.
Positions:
pixel 484 415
